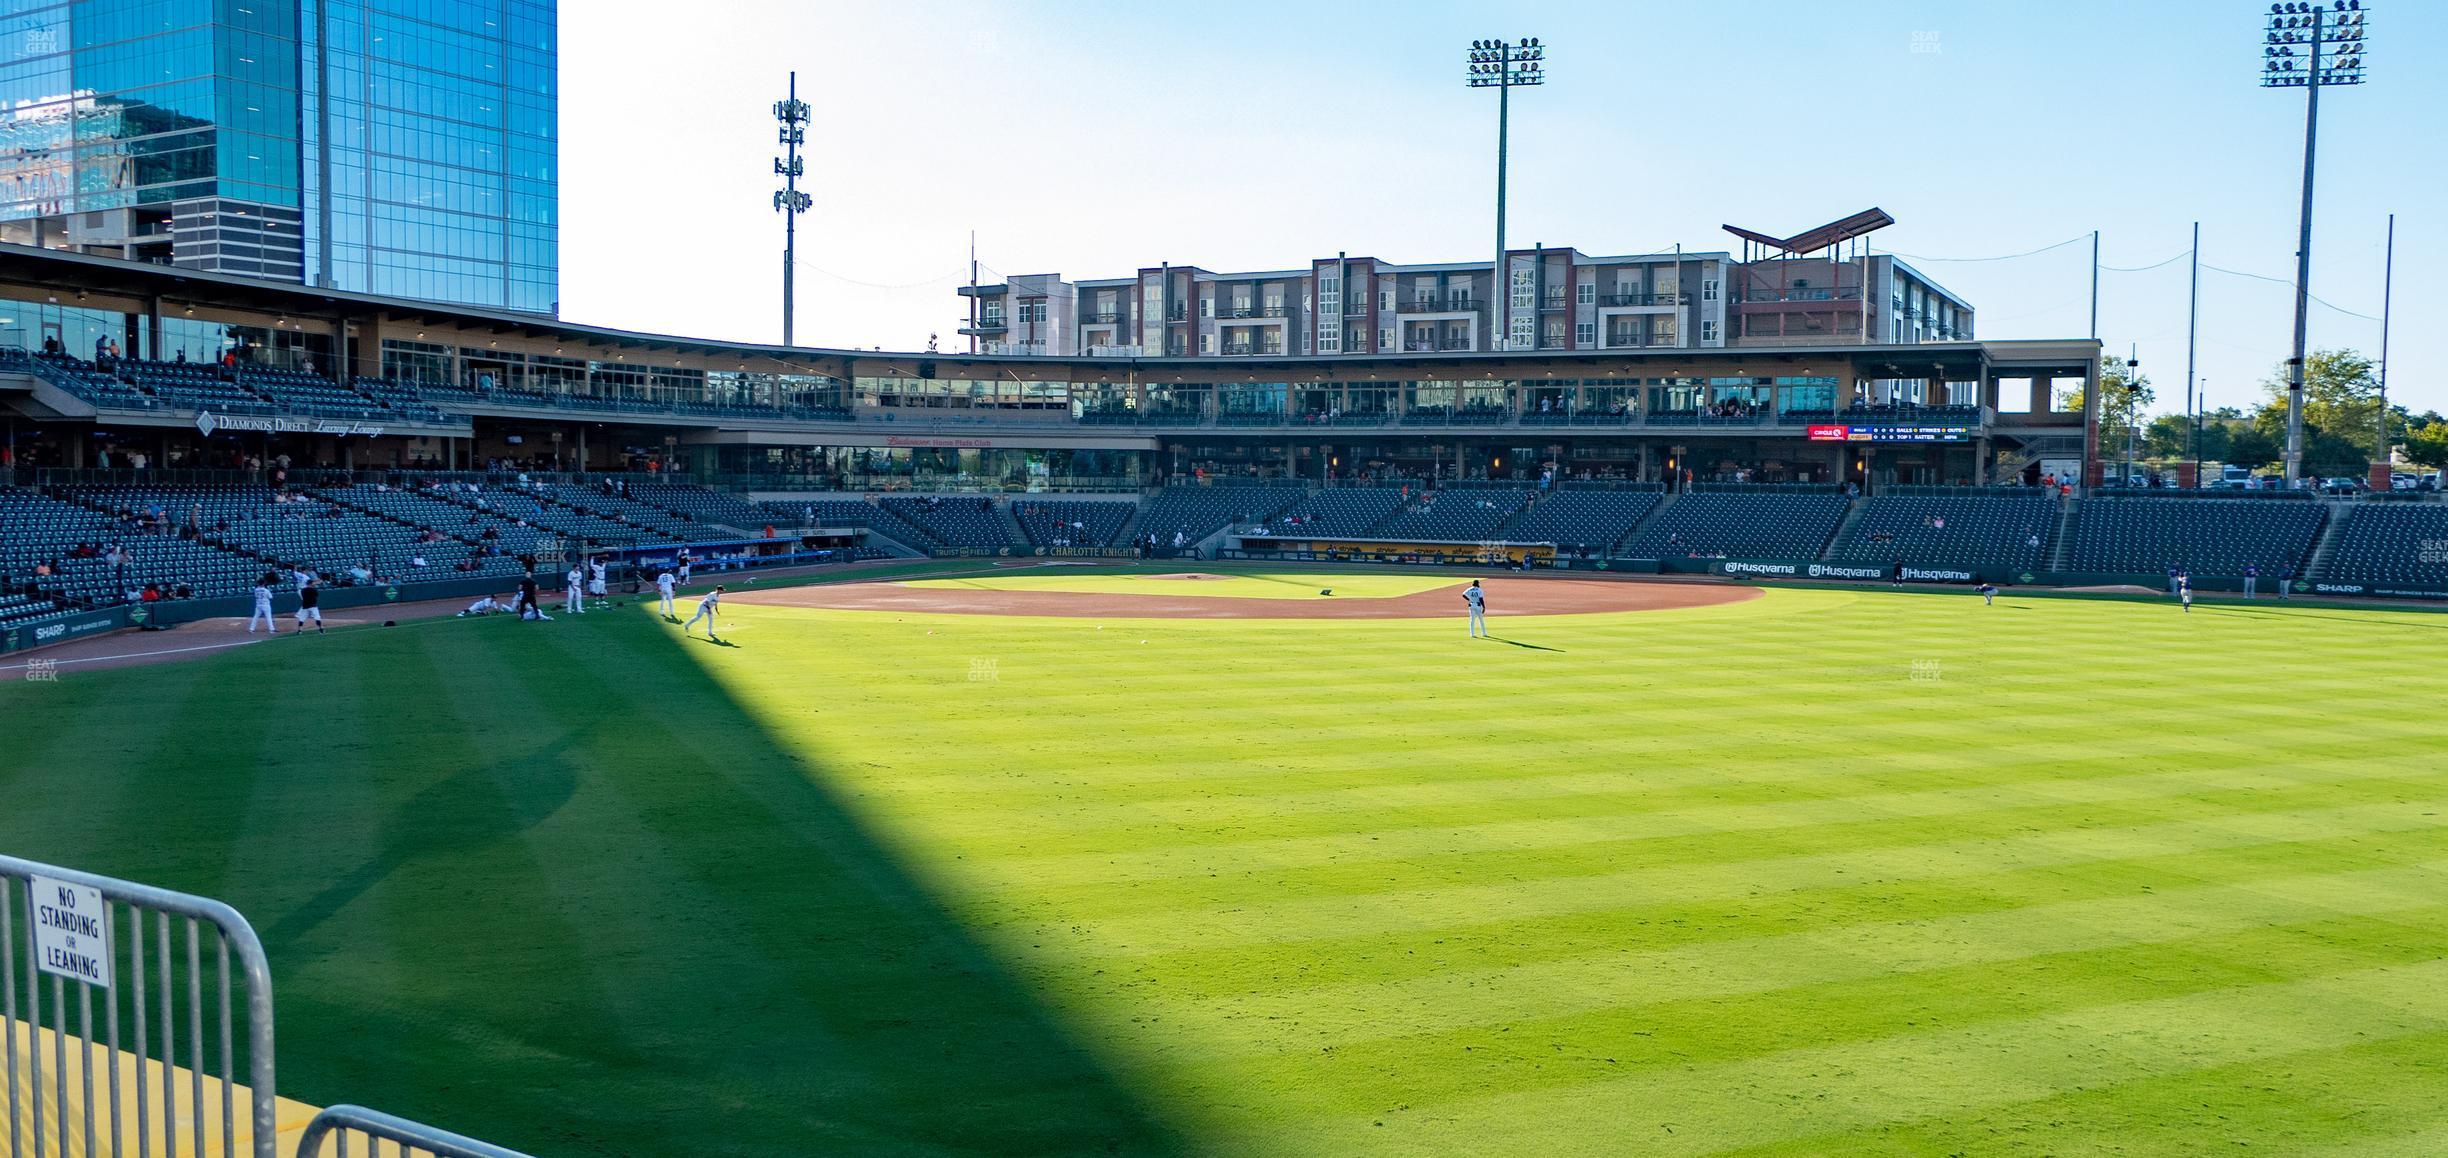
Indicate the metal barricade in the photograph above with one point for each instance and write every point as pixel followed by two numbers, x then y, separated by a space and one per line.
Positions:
pixel 340 1123
pixel 86 939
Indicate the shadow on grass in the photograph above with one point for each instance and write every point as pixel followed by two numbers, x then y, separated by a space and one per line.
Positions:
pixel 2282 610
pixel 560 890
pixel 1530 646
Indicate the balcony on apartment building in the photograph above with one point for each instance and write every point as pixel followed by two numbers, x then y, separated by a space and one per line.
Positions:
pixel 1638 299
pixel 985 325
pixel 1108 318
pixel 1624 339
pixel 1800 293
pixel 1438 305
pixel 1236 312
pixel 1239 349
pixel 1555 301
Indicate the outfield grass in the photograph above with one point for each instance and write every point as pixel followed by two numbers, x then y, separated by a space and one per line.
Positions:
pixel 1824 872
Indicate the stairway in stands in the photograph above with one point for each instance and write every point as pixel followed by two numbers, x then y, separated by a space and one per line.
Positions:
pixel 1129 530
pixel 1636 528
pixel 2061 540
pixel 1012 530
pixel 2324 544
pixel 1852 515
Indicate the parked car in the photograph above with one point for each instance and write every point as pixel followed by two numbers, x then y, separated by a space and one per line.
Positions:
pixel 2340 485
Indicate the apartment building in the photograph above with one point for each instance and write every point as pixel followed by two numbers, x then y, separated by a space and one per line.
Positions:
pixel 1552 299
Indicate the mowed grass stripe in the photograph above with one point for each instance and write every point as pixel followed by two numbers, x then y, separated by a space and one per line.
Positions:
pixel 2102 800
pixel 1261 1011
pixel 1706 1108
pixel 2294 1103
pixel 1599 866
pixel 1619 1042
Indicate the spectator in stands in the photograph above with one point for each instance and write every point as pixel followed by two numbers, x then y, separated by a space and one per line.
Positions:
pixel 51 345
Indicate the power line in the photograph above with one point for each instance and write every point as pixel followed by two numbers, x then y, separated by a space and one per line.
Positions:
pixel 2290 285
pixel 941 277
pixel 2000 257
pixel 2154 265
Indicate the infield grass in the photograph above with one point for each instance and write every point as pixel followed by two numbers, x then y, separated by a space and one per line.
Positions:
pixel 1824 872
pixel 1233 584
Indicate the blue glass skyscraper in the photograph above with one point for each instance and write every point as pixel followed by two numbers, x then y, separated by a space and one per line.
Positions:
pixel 398 147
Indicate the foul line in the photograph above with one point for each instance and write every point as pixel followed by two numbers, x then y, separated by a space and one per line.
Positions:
pixel 132 654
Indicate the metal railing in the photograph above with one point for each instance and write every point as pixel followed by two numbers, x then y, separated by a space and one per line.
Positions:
pixel 332 1129
pixel 1438 306
pixel 74 924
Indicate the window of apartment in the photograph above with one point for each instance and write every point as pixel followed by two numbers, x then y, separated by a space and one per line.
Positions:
pixel 1330 297
pixel 1525 331
pixel 1585 293
pixel 1708 330
pixel 1708 289
pixel 1207 342
pixel 1585 333
pixel 1207 305
pixel 1385 301
pixel 1662 330
pixel 1033 311
pixel 994 311
pixel 1355 339
pixel 1304 341
pixel 1525 289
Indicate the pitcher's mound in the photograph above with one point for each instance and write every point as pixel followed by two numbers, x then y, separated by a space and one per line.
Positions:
pixel 1504 597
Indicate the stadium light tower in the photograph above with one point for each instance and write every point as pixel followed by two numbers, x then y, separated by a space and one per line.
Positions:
pixel 1504 67
pixel 788 200
pixel 2308 46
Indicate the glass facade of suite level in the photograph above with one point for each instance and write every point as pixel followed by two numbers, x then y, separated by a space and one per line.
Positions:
pixel 397 147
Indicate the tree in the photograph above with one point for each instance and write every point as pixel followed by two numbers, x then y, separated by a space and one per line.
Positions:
pixel 2250 446
pixel 2124 395
pixel 2428 445
pixel 2169 436
pixel 2341 411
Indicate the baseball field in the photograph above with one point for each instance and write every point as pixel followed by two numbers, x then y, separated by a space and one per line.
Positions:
pixel 1819 871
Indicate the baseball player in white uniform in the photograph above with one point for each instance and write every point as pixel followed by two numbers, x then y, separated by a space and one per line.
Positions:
pixel 705 611
pixel 1476 599
pixel 263 606
pixel 573 602
pixel 664 583
pixel 484 605
pixel 595 578
pixel 686 561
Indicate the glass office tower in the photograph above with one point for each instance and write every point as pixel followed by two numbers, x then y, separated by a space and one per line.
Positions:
pixel 398 147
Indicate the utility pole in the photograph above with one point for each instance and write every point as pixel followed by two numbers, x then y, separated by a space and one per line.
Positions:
pixel 2311 27
pixel 1501 66
pixel 2192 329
pixel 788 200
pixel 2095 284
pixel 2388 285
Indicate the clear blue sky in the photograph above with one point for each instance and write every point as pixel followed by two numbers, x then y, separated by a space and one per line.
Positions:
pixel 1092 138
